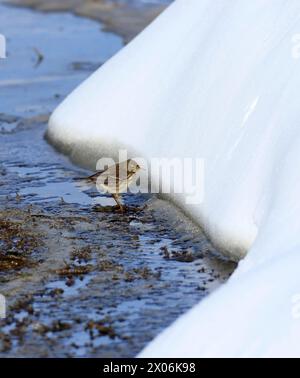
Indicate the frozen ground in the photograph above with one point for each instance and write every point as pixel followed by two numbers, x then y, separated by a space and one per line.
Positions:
pixel 80 279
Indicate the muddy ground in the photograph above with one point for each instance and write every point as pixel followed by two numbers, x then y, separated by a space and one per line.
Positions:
pixel 80 278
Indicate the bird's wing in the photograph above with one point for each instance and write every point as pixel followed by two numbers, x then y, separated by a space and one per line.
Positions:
pixel 117 172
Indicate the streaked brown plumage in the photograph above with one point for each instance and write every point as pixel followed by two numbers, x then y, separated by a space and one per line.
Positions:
pixel 116 179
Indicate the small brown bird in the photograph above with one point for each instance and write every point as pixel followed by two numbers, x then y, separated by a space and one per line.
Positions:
pixel 116 179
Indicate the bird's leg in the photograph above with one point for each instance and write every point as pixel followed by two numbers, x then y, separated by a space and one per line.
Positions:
pixel 116 197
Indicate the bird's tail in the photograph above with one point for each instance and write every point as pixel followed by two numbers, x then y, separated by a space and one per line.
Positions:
pixel 83 184
pixel 91 178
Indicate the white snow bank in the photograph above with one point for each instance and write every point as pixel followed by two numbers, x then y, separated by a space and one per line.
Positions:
pixel 216 80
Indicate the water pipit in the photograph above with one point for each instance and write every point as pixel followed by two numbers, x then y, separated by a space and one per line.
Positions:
pixel 116 179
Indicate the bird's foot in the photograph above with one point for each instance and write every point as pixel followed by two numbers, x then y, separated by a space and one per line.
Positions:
pixel 121 209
